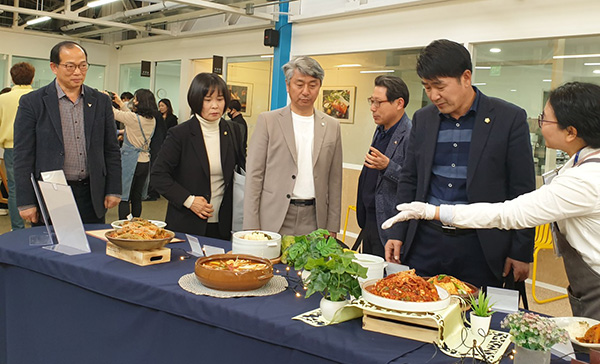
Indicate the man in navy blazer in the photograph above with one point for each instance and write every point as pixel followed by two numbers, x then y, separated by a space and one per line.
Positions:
pixel 67 125
pixel 378 181
pixel 464 148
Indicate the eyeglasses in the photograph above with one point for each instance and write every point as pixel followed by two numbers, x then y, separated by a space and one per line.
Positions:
pixel 376 103
pixel 70 67
pixel 541 120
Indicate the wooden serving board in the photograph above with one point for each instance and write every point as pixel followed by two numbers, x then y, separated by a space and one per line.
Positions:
pixel 139 257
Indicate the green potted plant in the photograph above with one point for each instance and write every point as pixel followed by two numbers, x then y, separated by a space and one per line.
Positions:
pixel 481 315
pixel 332 270
pixel 533 336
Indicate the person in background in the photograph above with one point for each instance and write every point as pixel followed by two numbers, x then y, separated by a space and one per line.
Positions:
pixel 571 197
pixel 5 90
pixel 22 74
pixel 166 111
pixel 294 175
pixel 127 98
pixel 135 152
pixel 466 147
pixel 70 126
pixel 160 133
pixel 378 179
pixel 194 169
pixel 235 114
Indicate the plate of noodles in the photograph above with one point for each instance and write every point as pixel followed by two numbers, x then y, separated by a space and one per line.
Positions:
pixel 405 291
pixel 140 235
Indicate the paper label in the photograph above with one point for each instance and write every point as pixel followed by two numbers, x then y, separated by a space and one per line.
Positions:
pixel 195 245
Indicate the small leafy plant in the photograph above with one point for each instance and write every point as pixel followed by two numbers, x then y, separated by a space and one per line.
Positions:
pixel 534 332
pixel 481 305
pixel 314 245
pixel 334 276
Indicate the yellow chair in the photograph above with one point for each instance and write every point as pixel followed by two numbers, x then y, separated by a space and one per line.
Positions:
pixel 350 207
pixel 543 240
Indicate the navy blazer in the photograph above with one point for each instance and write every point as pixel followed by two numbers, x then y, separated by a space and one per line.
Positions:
pixel 181 169
pixel 39 143
pixel 387 181
pixel 500 168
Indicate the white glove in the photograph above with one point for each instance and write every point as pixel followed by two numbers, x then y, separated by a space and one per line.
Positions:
pixel 411 211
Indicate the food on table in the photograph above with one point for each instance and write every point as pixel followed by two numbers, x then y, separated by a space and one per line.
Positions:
pixel 451 284
pixel 577 328
pixel 234 265
pixel 592 335
pixel 405 286
pixel 256 235
pixel 139 229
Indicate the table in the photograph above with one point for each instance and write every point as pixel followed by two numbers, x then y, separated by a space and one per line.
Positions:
pixel 93 308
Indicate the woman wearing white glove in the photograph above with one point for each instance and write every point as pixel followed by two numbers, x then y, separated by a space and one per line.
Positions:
pixel 570 122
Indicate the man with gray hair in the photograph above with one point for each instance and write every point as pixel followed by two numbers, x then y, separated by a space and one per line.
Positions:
pixel 294 166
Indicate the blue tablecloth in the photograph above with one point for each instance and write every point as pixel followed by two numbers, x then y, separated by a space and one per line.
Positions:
pixel 93 308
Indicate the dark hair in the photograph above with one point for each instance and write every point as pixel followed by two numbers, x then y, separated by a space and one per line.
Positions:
pixel 235 105
pixel 204 84
pixel 22 73
pixel 5 90
pixel 396 88
pixel 443 58
pixel 577 104
pixel 55 52
pixel 167 103
pixel 126 95
pixel 146 103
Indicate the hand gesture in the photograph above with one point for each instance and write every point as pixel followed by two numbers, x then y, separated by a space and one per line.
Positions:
pixel 409 211
pixel 376 160
pixel 202 208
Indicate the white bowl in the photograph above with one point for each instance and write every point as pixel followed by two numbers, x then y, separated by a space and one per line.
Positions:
pixel 117 224
pixel 571 325
pixel 269 249
pixel 374 264
pixel 403 305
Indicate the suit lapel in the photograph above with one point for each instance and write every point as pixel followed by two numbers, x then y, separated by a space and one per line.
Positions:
pixel 51 105
pixel 319 135
pixel 199 146
pixel 226 145
pixel 89 110
pixel 287 128
pixel 399 134
pixel 481 131
pixel 430 141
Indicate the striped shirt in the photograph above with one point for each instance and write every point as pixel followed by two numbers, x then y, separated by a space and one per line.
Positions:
pixel 71 119
pixel 449 170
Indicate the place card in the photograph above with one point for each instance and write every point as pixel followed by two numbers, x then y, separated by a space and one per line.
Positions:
pixel 195 245
pixel 504 300
pixel 212 250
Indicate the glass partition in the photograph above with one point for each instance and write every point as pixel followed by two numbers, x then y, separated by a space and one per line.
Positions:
pixel 3 65
pixel 130 78
pixel 167 83
pixel 44 75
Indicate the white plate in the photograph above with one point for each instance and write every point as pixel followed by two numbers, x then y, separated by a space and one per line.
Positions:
pixel 117 224
pixel 574 330
pixel 403 305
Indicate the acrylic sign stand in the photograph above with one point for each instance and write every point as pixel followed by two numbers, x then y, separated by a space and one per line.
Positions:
pixel 62 209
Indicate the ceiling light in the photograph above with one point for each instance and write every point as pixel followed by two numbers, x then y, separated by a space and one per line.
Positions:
pixel 513 90
pixel 577 56
pixel 348 65
pixel 483 67
pixel 38 20
pixel 378 71
pixel 596 72
pixel 479 84
pixel 592 64
pixel 267 56
pixel 94 4
pixel 495 50
pixel 547 80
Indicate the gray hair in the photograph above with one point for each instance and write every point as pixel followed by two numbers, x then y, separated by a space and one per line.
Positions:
pixel 304 65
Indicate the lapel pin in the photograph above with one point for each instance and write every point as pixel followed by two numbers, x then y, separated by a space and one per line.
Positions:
pixel 487 120
pixel 225 133
pixel 322 124
pixel 395 142
pixel 89 105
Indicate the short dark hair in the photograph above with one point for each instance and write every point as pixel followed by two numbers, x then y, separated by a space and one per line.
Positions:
pixel 577 104
pixel 146 103
pixel 22 73
pixel 396 88
pixel 205 84
pixel 55 52
pixel 167 103
pixel 5 90
pixel 235 104
pixel 443 58
pixel 126 95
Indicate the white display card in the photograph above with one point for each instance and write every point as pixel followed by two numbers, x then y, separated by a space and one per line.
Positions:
pixel 195 245
pixel 212 250
pixel 504 300
pixel 65 217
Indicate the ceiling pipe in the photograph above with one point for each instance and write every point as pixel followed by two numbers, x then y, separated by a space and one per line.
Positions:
pixel 226 9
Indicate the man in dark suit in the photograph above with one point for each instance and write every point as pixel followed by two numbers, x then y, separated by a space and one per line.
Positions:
pixel 67 125
pixel 464 148
pixel 378 179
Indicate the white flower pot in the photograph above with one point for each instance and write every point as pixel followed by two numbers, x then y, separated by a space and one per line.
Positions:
pixel 329 308
pixel 479 326
pixel 528 356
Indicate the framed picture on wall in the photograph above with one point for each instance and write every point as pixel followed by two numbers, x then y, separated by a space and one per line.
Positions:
pixel 338 102
pixel 243 93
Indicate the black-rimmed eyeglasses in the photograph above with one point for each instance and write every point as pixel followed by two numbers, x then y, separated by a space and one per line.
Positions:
pixel 541 120
pixel 70 67
pixel 376 103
